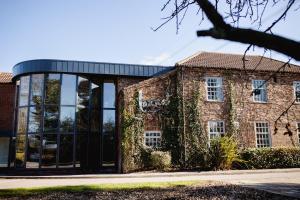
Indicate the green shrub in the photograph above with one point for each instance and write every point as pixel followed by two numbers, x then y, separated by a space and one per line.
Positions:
pixel 160 160
pixel 223 151
pixel 146 156
pixel 267 158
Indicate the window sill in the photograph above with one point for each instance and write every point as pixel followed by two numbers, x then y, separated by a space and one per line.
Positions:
pixel 211 101
pixel 261 102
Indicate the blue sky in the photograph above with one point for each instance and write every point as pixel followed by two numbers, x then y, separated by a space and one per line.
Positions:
pixel 109 31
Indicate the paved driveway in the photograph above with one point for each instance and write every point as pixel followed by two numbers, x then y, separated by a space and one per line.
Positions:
pixel 283 181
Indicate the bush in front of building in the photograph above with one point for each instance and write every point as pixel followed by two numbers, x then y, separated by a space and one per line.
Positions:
pixel 160 160
pixel 146 157
pixel 223 152
pixel 269 158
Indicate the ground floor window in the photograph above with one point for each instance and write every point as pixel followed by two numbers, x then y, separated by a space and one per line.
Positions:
pixel 152 139
pixel 215 129
pixel 4 148
pixel 262 134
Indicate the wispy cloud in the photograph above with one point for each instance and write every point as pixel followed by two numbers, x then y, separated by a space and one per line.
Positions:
pixel 155 60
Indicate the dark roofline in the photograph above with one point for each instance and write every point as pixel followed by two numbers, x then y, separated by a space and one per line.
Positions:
pixel 232 54
pixel 86 67
pixel 185 62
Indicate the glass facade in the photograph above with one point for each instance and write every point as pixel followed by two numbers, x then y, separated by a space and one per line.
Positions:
pixel 66 121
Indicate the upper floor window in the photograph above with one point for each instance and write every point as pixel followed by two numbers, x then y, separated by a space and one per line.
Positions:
pixel 215 129
pixel 259 90
pixel 152 139
pixel 262 134
pixel 214 88
pixel 297 91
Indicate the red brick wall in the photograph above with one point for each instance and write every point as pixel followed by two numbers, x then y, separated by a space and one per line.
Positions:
pixel 154 88
pixel 7 96
pixel 280 95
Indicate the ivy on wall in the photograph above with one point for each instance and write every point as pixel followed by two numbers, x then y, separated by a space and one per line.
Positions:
pixel 232 127
pixel 170 133
pixel 132 135
pixel 196 144
pixel 183 133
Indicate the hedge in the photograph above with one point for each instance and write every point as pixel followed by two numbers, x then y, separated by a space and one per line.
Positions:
pixel 269 158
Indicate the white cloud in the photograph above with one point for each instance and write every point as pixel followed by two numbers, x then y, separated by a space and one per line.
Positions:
pixel 155 60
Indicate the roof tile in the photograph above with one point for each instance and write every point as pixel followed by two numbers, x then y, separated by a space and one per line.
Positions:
pixel 5 77
pixel 235 61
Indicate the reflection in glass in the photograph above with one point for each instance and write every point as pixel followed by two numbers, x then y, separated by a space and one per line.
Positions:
pixel 49 147
pixel 67 118
pixel 108 137
pixel 35 115
pixel 109 95
pixel 82 119
pixel 68 89
pixel 55 107
pixel 20 150
pixel 95 96
pixel 66 151
pixel 51 119
pixel 108 122
pixel 24 91
pixel 4 148
pixel 95 118
pixel 36 94
pixel 21 137
pixel 82 105
pixel 81 150
pixel 52 89
pixel 83 92
pixel 22 120
pixel 33 154
pixel 12 148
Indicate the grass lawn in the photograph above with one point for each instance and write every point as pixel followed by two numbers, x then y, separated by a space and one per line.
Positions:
pixel 19 192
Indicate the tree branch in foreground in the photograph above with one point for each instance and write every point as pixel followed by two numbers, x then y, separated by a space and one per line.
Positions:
pixel 274 42
pixel 222 30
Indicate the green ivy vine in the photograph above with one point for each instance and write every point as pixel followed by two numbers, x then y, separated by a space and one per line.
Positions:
pixel 132 135
pixel 196 136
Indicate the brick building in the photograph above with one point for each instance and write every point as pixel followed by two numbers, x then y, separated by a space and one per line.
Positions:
pixel 276 85
pixel 72 114
pixel 7 99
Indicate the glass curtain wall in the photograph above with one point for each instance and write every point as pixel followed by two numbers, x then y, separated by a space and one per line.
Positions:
pixel 65 121
pixel 109 124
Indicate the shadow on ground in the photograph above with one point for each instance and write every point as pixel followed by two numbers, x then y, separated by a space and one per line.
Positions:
pixel 210 191
pixel 289 189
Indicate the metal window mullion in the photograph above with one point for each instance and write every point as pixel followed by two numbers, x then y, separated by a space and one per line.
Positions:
pixel 101 121
pixel 74 125
pixel 42 121
pixel 58 128
pixel 27 121
pixel 89 124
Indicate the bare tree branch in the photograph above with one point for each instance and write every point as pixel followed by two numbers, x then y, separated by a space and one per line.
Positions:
pixel 222 30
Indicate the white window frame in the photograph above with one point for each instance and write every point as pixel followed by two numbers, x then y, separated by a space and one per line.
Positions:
pixel 298 130
pixel 295 83
pixel 263 88
pixel 157 138
pixel 256 134
pixel 217 134
pixel 220 94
